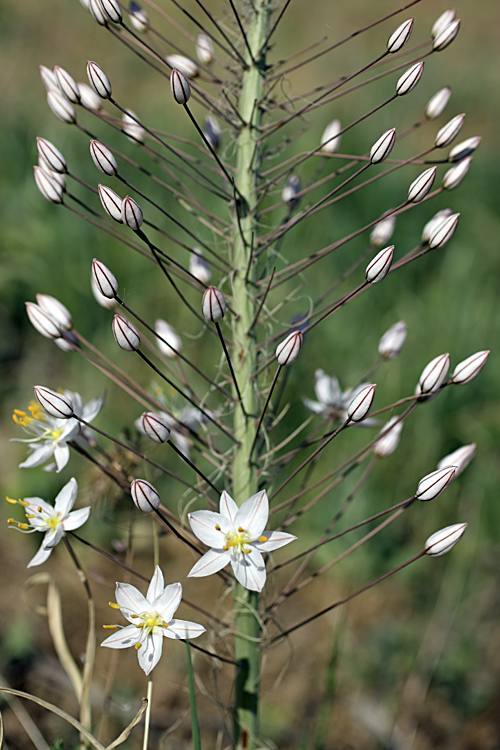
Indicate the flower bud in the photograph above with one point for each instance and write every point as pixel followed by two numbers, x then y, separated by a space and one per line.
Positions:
pixel 442 22
pixel 56 310
pixel 392 341
pixel 138 17
pixel 97 13
pixel 446 36
pixel 330 140
pixel 131 213
pixel 421 186
pixel 85 4
pixel 111 202
pixel 383 147
pixel 55 160
pixel 131 127
pixel 198 267
pixel 379 267
pixel 89 98
pixel 111 10
pixel 67 345
pixel 444 232
pixel 432 485
pixel 144 495
pixel 98 80
pixel 48 185
pixel 437 103
pixel 213 304
pixel 154 427
pixel 204 49
pixel 57 177
pixel 469 368
pixel 61 107
pixel 449 131
pixel 169 342
pixel 456 174
pixel 465 148
pixel 43 322
pixel 181 89
pixel 49 79
pixel 409 79
pixel 361 404
pixel 434 223
pixel 460 458
pixel 443 540
pixel 399 37
pixel 289 349
pixel 433 375
pixel 67 85
pixel 211 131
pixel 382 231
pixel 389 438
pixel 106 302
pixel 103 158
pixel 104 280
pixel 56 404
pixel 126 335
pixel 184 65
pixel 291 190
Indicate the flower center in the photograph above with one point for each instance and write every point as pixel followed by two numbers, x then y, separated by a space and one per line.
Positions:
pixel 238 541
pixel 151 621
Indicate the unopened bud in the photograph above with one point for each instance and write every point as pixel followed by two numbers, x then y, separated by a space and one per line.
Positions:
pixel 105 302
pixel 88 98
pixel 138 17
pixel 67 85
pixel 169 341
pixel 409 79
pixel 111 202
pixel 204 49
pixel 330 140
pixel 469 368
pixel 56 404
pixel 43 322
pixel 433 375
pixel 144 495
pixel 56 310
pixel 389 438
pixel 49 79
pixel 181 89
pixel 211 131
pixel 154 427
pixel 421 186
pixel 444 232
pixel 291 190
pixel 465 148
pixel 437 103
pixel 103 158
pixel 131 127
pixel 213 304
pixel 184 65
pixel 442 22
pixel 383 231
pixel 289 349
pixel 131 213
pixel 449 131
pixel 456 174
pixel 444 540
pixel 126 335
pixel 199 267
pixel 379 267
pixel 392 341
pixel 111 10
pixel 446 36
pixel 97 13
pixel 432 485
pixel 49 187
pixel 52 155
pixel 61 107
pixel 435 223
pixel 68 344
pixel 54 176
pixel 460 458
pixel 383 147
pixel 361 404
pixel 399 37
pixel 98 80
pixel 104 280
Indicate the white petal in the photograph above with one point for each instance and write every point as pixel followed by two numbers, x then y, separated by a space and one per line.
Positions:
pixel 327 388
pixel 92 409
pixel 150 652
pixel 211 562
pixel 181 442
pixel 76 519
pixel 183 629
pixel 40 454
pixel 123 638
pixel 249 570
pixel 66 498
pixel 275 540
pixel 131 601
pixel 61 455
pixel 166 605
pixel 253 515
pixel 204 523
pixel 40 557
pixel 37 502
pixel 156 586
pixel 315 407
pixel 228 507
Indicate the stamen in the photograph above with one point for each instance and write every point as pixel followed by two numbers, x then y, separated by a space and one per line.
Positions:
pixel 11 501
pixel 110 627
pixel 114 605
pixel 138 646
pixel 11 522
pixel 262 538
pixel 217 527
pixel 23 526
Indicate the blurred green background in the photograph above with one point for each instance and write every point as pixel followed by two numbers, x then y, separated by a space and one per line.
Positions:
pixel 421 651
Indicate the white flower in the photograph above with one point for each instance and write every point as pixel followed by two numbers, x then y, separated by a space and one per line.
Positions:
pixel 50 436
pixel 151 618
pixel 332 402
pixel 237 535
pixel 53 521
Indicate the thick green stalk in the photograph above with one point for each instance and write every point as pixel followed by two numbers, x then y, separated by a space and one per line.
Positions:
pixel 246 621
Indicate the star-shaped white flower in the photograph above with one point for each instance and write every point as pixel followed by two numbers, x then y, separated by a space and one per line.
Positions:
pixel 332 401
pixel 53 521
pixel 237 536
pixel 151 618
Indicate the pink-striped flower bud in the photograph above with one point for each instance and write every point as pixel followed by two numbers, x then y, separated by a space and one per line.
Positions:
pixel 181 89
pixel 330 140
pixel 437 103
pixel 131 213
pixel 389 438
pixel 383 147
pixel 106 302
pixel 88 98
pixel 460 458
pixel 446 36
pixel 456 174
pixel 361 404
pixel 409 79
pixel 43 322
pixel 49 187
pixel 154 427
pixel 61 107
pixel 465 148
pixel 204 49
pixel 444 232
pixel 382 231
pixel 138 17
pixel 111 202
pixel 49 79
pixel 213 304
pixel 144 495
pixel 67 85
pixel 111 10
pixel 289 349
pixel 53 157
pixel 433 484
pixel 54 176
pixel 97 13
pixel 104 280
pixel 103 158
pixel 449 131
pixel 169 342
pixel 379 267
pixel 470 368
pixel 98 80
pixel 126 335
pixel 56 404
pixel 434 223
pixel 398 38
pixel 444 540
pixel 433 375
pixel 56 310
pixel 442 22
pixel 421 186
pixel 392 341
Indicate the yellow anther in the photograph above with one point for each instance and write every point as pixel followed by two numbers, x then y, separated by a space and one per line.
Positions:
pixel 23 526
pixel 263 538
pixel 165 624
pixel 138 646
pixel 246 551
pixel 11 522
pixel 241 529
pixel 20 413
pixel 30 515
pixel 133 616
pixel 36 411
pixel 217 527
pixel 24 502
pixel 110 627
pixel 114 605
pixel 138 626
pixel 11 501
pixel 225 548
